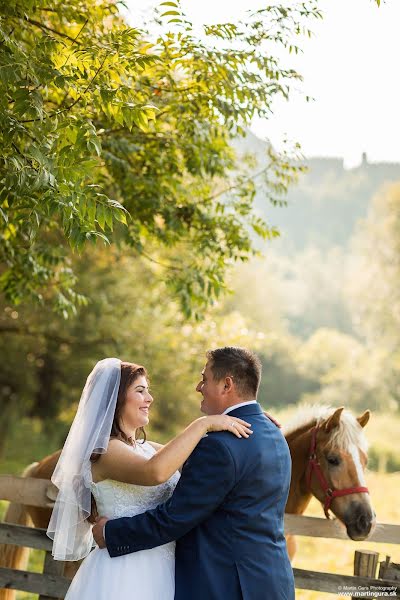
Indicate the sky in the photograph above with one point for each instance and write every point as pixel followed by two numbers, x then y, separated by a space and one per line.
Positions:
pixel 350 67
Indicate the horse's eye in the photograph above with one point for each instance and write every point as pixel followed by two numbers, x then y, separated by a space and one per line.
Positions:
pixel 333 460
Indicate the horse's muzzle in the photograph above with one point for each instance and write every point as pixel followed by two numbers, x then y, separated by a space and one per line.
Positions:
pixel 359 519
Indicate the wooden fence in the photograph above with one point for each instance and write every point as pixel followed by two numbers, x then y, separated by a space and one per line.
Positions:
pixel 51 585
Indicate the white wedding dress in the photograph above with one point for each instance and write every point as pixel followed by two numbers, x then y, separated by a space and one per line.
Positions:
pixel 148 574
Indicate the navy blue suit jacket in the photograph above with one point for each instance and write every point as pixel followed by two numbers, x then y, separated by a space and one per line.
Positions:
pixel 227 516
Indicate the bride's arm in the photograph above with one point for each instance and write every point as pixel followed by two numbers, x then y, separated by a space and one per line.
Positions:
pixel 158 447
pixel 121 464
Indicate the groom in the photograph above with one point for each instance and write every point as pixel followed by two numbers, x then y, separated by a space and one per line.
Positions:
pixel 227 510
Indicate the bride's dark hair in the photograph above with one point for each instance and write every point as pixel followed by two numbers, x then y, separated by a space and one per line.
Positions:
pixel 129 373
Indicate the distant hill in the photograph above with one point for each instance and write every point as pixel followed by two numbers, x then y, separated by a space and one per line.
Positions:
pixel 305 272
pixel 326 203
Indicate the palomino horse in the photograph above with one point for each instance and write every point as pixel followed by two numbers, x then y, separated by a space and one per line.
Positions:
pixel 329 455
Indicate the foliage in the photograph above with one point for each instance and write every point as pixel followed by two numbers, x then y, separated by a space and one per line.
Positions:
pixel 324 365
pixel 374 293
pixel 376 248
pixel 47 358
pixel 105 127
pixel 298 292
pixel 349 373
pixel 284 382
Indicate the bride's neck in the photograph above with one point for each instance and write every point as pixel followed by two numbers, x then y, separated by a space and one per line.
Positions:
pixel 130 434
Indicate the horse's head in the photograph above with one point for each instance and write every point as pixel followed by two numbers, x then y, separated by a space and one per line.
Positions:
pixel 338 457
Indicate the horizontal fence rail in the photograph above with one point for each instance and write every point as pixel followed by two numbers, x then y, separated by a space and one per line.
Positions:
pixel 384 533
pixel 42 493
pixel 57 586
pixel 335 583
pixel 34 583
pixel 52 585
pixel 30 537
pixel 28 490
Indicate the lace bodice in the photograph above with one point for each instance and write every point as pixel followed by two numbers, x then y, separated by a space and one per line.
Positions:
pixel 115 499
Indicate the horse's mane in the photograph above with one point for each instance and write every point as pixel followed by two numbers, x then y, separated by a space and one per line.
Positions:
pixel 348 433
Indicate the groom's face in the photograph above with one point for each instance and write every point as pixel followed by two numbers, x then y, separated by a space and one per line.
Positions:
pixel 212 392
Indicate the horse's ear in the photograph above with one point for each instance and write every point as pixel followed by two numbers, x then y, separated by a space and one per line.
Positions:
pixel 363 420
pixel 333 420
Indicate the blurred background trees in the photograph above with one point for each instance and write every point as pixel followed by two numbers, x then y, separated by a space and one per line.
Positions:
pixel 139 139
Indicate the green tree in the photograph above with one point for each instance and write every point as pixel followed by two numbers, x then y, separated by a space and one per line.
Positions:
pixel 284 382
pixel 348 372
pixel 375 273
pixel 45 359
pixel 373 287
pixel 105 127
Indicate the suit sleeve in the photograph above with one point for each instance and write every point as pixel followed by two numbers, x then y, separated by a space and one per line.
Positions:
pixel 207 477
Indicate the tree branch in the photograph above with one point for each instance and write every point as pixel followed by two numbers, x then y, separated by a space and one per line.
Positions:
pixel 153 260
pixel 66 62
pixel 234 187
pixel 46 28
pixel 67 108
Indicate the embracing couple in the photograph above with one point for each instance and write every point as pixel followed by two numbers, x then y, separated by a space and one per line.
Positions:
pixel 200 518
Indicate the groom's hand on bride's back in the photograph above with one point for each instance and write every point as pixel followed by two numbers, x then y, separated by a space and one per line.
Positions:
pixel 98 531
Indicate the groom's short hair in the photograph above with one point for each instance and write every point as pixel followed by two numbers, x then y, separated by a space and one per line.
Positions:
pixel 241 364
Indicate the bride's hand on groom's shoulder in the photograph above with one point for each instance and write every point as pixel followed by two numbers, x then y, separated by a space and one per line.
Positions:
pixel 272 419
pixel 98 531
pixel 236 426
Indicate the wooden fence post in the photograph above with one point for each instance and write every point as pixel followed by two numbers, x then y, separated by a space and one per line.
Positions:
pixel 389 570
pixel 365 565
pixel 51 567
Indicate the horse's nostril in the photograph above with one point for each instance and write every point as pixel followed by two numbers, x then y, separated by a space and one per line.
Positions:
pixel 363 524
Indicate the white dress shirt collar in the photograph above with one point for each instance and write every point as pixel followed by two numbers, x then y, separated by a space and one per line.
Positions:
pixel 235 406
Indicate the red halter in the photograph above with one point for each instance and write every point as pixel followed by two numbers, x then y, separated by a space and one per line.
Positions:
pixel 314 465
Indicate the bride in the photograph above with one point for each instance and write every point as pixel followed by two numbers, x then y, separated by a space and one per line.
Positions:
pixel 108 467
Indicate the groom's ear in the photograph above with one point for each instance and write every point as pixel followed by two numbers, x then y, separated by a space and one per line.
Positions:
pixel 228 384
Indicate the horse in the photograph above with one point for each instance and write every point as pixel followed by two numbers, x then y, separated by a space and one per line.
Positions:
pixel 328 448
pixel 329 455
